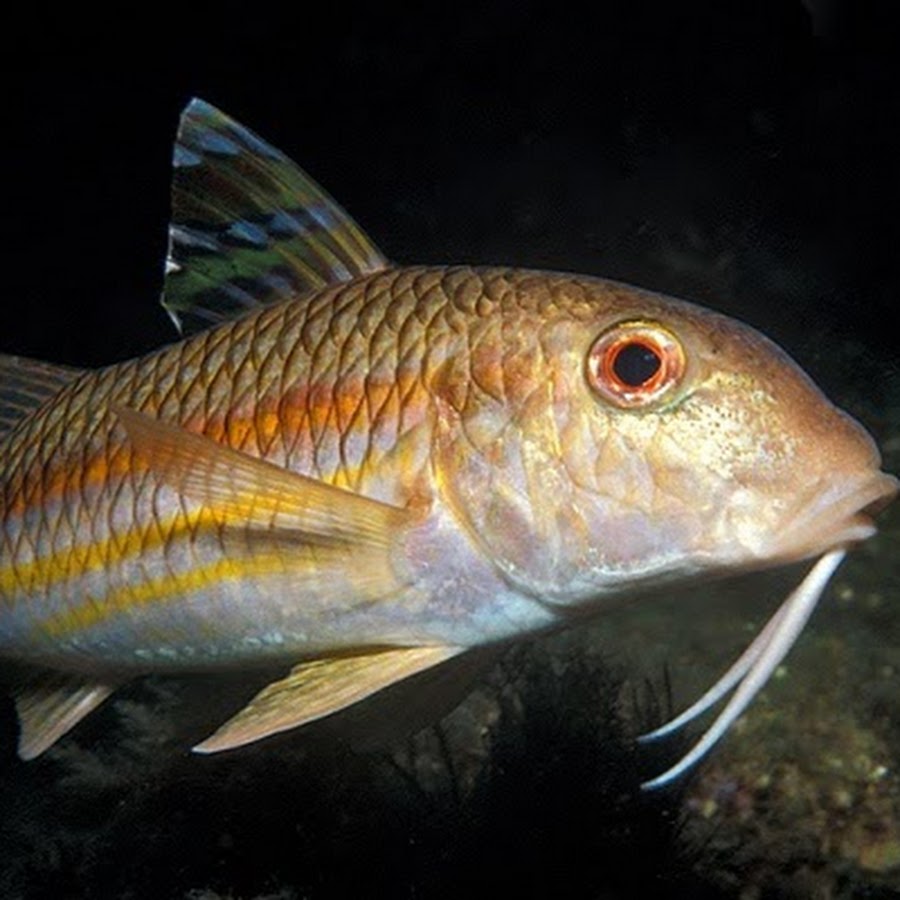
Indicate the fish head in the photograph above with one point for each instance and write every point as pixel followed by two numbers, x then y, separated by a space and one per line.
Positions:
pixel 640 440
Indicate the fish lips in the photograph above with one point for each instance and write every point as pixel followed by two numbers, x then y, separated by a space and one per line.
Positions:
pixel 840 514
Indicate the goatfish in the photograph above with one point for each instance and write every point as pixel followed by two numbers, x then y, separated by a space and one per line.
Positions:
pixel 358 471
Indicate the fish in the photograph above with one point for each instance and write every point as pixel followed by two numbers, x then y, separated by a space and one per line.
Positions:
pixel 360 472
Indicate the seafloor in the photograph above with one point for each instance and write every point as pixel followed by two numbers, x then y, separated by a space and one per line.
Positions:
pixel 741 160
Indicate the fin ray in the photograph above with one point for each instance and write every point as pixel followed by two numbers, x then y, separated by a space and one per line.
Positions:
pixel 330 540
pixel 320 687
pixel 50 705
pixel 253 491
pixel 26 384
pixel 249 226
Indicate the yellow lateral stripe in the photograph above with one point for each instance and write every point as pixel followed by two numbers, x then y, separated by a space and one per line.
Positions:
pixel 73 562
pixel 94 611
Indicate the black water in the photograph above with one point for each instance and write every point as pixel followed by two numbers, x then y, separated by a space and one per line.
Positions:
pixel 742 155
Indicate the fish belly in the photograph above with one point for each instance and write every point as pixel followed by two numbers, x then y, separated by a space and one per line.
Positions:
pixel 127 575
pixel 102 564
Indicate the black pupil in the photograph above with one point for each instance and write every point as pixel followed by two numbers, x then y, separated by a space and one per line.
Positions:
pixel 635 364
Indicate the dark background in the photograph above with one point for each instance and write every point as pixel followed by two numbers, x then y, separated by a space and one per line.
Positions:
pixel 741 154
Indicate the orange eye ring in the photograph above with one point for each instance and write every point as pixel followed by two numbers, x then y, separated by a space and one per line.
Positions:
pixel 635 364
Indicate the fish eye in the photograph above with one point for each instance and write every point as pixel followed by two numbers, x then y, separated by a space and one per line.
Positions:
pixel 634 364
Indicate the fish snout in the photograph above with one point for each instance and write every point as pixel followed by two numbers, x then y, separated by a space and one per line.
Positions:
pixel 841 484
pixel 862 498
pixel 840 513
pixel 853 471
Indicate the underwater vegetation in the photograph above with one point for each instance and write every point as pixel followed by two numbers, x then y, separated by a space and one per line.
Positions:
pixel 366 471
pixel 531 785
pixel 487 800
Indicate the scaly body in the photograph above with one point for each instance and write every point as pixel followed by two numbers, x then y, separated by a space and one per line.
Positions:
pixel 103 563
pixel 363 471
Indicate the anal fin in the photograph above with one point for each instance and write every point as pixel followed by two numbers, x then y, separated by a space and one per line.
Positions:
pixel 320 687
pixel 51 704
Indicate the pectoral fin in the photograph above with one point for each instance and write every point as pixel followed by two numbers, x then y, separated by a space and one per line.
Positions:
pixel 407 707
pixel 251 492
pixel 320 687
pixel 324 537
pixel 51 704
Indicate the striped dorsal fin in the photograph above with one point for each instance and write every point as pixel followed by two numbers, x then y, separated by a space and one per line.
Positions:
pixel 249 227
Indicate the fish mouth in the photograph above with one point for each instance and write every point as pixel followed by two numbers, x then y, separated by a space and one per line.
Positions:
pixel 840 514
pixel 846 512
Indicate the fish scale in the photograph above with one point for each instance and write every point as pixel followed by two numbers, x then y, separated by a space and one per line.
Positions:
pixel 362 471
pixel 232 389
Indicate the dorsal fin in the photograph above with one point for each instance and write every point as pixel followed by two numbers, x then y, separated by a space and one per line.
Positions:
pixel 248 226
pixel 25 384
